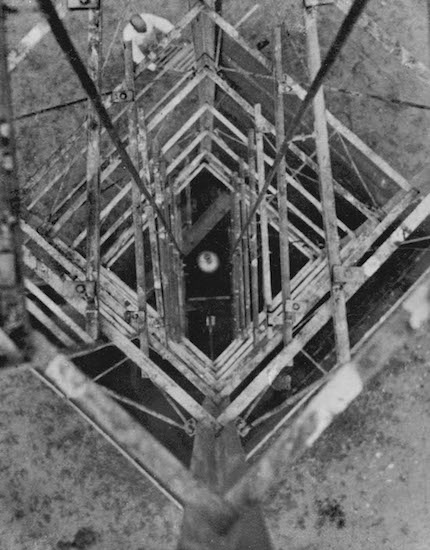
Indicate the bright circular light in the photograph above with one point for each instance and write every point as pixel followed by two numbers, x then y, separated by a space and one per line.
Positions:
pixel 208 261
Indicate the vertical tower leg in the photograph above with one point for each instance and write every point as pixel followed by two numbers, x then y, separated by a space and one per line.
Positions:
pixel 93 177
pixel 253 242
pixel 287 315
pixel 13 315
pixel 264 226
pixel 140 316
pixel 219 461
pixel 327 192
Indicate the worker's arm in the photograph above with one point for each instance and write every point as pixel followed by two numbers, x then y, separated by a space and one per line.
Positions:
pixel 129 34
pixel 161 24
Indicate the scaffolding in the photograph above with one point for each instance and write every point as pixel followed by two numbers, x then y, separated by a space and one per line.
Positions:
pixel 288 168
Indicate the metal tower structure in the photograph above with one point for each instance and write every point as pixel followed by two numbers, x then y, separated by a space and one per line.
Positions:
pixel 312 212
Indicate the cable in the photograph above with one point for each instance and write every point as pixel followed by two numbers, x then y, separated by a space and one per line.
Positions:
pixel 53 108
pixel 142 408
pixel 63 39
pixel 390 100
pixel 339 41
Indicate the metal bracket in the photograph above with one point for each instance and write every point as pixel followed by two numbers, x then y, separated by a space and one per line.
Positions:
pixel 190 427
pixel 283 86
pixel 205 61
pixel 87 289
pixel 83 4
pixel 122 96
pixel 317 3
pixel 263 126
pixel 344 274
pixel 242 427
pixel 295 307
pixel 134 318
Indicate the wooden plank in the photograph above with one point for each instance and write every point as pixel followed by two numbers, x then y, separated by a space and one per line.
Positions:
pixel 39 184
pixel 58 156
pixel 183 129
pixel 253 244
pixel 115 162
pixel 264 229
pixel 180 275
pixel 174 259
pixel 206 222
pixel 306 159
pixel 93 177
pixel 186 152
pixel 327 191
pixel 311 288
pixel 262 381
pixel 104 214
pixel 303 243
pixel 235 35
pixel 236 287
pixel 59 312
pixel 114 293
pixel 49 324
pixel 150 216
pixel 189 172
pixel 269 161
pixel 300 92
pixel 139 247
pixel 163 245
pixel 177 100
pixel 284 238
pixel 245 250
pixel 157 375
pixel 124 240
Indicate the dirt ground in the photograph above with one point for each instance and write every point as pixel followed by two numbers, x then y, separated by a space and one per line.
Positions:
pixel 365 484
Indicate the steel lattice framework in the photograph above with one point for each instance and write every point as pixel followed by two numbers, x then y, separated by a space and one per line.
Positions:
pixel 308 180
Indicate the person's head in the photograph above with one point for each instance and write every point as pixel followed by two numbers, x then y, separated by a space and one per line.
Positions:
pixel 138 23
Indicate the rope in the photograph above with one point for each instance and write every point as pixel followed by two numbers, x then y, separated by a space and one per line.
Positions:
pixel 63 39
pixel 55 107
pixel 339 41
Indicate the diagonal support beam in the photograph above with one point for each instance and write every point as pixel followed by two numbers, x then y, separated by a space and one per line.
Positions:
pixel 301 93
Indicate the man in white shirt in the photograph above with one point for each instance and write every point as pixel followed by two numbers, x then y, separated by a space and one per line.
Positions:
pixel 144 31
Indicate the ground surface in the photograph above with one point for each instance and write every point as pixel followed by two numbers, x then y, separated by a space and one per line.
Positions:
pixel 365 485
